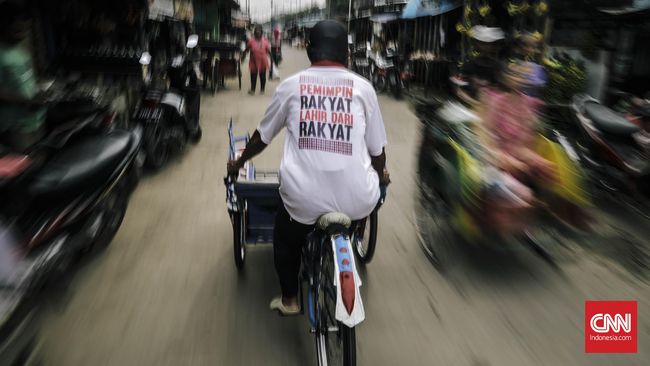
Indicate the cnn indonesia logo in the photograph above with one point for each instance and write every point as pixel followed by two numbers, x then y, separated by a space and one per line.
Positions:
pixel 610 326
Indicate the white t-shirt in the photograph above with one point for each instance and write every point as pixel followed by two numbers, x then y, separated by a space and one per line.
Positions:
pixel 333 126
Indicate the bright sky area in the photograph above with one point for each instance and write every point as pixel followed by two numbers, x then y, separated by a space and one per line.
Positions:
pixel 261 9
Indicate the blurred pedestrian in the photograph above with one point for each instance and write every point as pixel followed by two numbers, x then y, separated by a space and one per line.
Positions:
pixel 21 111
pixel 258 62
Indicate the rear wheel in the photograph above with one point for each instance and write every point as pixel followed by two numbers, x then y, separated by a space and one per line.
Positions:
pixel 156 146
pixel 434 228
pixel 213 79
pixel 239 248
pixel 335 342
pixel 113 211
pixel 395 84
pixel 365 238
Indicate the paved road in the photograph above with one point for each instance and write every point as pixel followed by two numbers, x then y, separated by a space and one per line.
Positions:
pixel 167 292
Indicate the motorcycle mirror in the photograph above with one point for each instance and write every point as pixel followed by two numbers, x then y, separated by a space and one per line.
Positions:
pixel 192 41
pixel 145 59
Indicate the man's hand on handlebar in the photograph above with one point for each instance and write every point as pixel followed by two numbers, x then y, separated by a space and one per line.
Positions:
pixel 254 146
pixel 233 167
pixel 384 179
pixel 379 164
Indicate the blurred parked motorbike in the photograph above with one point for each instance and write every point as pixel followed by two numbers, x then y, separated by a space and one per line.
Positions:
pixel 398 75
pixel 170 112
pixel 58 202
pixel 615 149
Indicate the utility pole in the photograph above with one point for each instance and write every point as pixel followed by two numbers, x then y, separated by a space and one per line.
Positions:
pixel 349 14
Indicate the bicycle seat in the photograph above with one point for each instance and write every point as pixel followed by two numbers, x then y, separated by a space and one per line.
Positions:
pixel 332 219
pixel 608 120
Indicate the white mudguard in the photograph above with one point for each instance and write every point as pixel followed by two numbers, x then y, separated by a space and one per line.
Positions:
pixel 174 100
pixel 349 306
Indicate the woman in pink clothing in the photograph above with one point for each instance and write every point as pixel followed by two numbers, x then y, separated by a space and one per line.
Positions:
pixel 258 63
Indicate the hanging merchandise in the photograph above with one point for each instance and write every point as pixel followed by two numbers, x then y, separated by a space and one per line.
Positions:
pixel 517 9
pixel 184 10
pixel 161 8
pixel 484 10
pixel 541 8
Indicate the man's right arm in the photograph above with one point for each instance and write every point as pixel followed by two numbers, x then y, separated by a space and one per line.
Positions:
pixel 254 146
pixel 272 122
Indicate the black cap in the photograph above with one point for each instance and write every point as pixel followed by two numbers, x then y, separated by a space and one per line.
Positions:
pixel 328 40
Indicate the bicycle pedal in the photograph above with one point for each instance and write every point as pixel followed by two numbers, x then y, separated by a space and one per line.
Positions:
pixel 312 330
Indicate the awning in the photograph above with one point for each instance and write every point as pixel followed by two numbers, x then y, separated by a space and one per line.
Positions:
pixel 384 17
pixel 308 23
pixel 429 8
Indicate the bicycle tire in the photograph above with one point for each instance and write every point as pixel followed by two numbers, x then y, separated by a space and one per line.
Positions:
pixel 350 346
pixel 346 336
pixel 364 255
pixel 239 248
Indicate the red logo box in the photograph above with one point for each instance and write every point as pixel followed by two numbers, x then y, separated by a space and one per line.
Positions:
pixel 610 326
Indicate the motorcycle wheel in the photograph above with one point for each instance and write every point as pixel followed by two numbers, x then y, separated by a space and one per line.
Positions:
pixel 179 136
pixel 114 209
pixel 434 229
pixel 197 135
pixel 394 82
pixel 156 146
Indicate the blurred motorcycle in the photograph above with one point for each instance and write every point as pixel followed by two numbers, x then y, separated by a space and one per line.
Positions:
pixel 461 200
pixel 57 203
pixel 379 70
pixel 615 149
pixel 170 114
pixel 398 74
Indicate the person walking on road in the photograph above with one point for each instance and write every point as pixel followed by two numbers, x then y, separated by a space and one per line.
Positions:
pixel 334 158
pixel 258 62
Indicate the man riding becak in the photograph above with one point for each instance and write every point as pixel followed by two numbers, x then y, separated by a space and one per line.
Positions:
pixel 333 150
